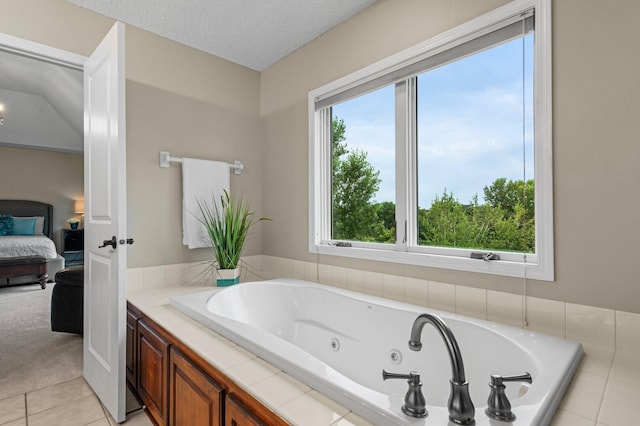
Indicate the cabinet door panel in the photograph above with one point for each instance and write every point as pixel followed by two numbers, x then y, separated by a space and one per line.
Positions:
pixel 195 398
pixel 132 350
pixel 153 363
pixel 236 414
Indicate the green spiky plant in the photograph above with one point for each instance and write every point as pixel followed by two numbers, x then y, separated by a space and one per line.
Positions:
pixel 227 225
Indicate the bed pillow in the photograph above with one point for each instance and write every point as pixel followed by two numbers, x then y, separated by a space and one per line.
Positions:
pixel 24 226
pixel 39 229
pixel 6 224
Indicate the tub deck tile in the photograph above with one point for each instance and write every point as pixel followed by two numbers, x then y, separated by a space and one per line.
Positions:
pixel 584 404
pixel 312 409
pixel 279 389
pixel 567 418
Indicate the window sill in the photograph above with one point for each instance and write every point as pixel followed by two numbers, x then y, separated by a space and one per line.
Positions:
pixel 535 271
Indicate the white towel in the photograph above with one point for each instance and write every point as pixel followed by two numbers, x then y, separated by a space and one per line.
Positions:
pixel 206 181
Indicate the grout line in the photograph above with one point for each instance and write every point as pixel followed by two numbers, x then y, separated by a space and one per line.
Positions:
pixel 26 417
pixel 606 386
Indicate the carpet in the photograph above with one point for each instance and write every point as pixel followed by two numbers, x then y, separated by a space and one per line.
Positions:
pixel 31 355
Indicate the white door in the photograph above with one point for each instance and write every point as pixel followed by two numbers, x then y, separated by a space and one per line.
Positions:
pixel 105 220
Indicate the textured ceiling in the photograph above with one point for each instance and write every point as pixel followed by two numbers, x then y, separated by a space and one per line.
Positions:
pixel 43 104
pixel 253 33
pixel 59 86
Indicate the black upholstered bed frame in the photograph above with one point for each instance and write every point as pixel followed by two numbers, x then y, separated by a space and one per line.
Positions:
pixel 22 267
pixel 29 208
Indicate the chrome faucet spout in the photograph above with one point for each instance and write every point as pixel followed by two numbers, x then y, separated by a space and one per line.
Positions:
pixel 461 410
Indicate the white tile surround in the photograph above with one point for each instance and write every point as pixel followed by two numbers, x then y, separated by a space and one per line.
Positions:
pixel 603 392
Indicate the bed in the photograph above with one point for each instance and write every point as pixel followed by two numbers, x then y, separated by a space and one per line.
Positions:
pixel 29 258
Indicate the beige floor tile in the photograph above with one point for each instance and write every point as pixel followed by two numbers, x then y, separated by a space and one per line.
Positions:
pixel 19 422
pixel 139 418
pixel 109 418
pixel 12 409
pixel 57 395
pixel 102 422
pixel 76 413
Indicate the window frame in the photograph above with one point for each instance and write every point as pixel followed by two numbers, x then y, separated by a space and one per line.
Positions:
pixel 406 251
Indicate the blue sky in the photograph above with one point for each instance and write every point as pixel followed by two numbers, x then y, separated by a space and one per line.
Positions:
pixel 469 125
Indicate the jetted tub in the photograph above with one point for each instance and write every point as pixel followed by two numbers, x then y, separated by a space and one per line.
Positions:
pixel 338 342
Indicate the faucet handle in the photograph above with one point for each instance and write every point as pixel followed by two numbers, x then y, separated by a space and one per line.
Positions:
pixel 414 403
pixel 499 407
pixel 413 376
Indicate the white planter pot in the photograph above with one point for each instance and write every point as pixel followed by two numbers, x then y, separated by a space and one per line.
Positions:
pixel 227 277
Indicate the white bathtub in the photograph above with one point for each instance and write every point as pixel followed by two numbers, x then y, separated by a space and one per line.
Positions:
pixel 338 342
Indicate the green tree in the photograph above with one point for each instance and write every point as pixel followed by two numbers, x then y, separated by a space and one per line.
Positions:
pixel 387 214
pixel 445 223
pixel 354 182
pixel 338 144
pixel 501 223
pixel 385 231
pixel 508 194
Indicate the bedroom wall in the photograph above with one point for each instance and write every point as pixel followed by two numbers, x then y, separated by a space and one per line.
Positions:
pixel 596 147
pixel 55 178
pixel 178 99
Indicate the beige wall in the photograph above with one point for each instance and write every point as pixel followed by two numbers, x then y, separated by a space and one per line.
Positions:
pixel 193 105
pixel 50 177
pixel 596 145
pixel 198 105
pixel 178 99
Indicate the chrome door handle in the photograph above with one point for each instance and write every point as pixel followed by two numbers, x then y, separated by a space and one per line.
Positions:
pixel 112 242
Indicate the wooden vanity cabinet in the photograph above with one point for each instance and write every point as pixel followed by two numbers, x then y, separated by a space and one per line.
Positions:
pixel 179 388
pixel 153 367
pixel 195 399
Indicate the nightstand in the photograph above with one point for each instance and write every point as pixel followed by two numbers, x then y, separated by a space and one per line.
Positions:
pixel 73 247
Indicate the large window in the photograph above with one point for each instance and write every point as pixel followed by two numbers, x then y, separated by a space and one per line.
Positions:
pixel 441 155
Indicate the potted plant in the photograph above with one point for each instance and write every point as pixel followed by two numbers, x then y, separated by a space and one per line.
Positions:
pixel 73 223
pixel 227 224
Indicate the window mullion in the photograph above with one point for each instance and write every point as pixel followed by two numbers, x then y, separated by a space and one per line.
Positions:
pixel 411 162
pixel 405 135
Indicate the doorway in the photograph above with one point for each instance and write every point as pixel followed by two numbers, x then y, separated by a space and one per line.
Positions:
pixel 103 88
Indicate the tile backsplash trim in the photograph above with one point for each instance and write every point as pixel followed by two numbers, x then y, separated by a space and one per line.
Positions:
pixel 601 331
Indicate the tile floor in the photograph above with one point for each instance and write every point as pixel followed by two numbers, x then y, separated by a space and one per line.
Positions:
pixel 70 403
